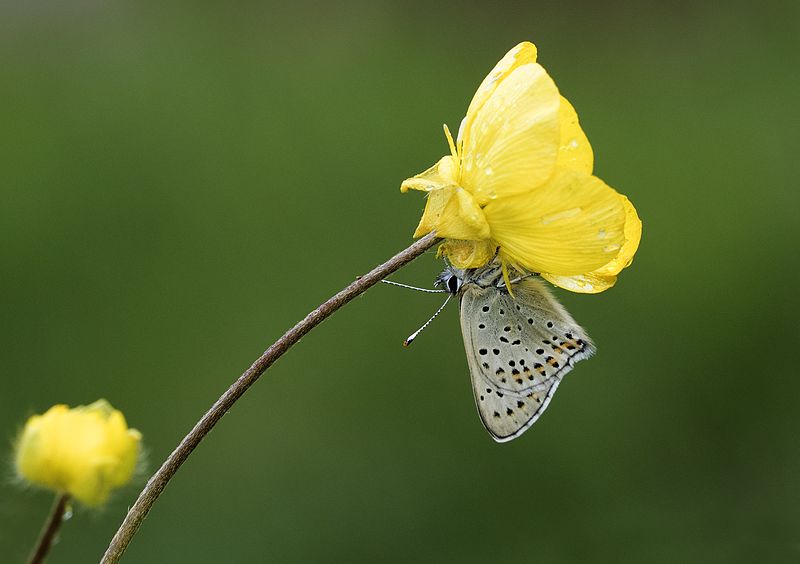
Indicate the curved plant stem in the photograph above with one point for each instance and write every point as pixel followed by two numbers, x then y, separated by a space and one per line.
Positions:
pixel 50 530
pixel 156 484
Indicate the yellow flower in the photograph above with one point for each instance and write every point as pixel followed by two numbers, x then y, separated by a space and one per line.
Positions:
pixel 85 451
pixel 518 184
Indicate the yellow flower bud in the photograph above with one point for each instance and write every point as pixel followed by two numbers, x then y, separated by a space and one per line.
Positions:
pixel 85 451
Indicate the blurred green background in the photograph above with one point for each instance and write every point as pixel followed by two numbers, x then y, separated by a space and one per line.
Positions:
pixel 180 183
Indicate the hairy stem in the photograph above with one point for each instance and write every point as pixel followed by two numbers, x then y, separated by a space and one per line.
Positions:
pixel 50 529
pixel 156 484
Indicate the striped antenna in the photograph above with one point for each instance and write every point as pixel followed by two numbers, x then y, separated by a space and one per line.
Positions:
pixel 429 291
pixel 418 331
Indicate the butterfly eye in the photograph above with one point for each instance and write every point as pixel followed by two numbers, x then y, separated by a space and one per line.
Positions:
pixel 453 284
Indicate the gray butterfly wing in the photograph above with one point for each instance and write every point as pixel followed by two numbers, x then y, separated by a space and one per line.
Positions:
pixel 518 351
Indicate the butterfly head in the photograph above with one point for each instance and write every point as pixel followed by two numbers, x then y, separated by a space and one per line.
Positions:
pixel 452 279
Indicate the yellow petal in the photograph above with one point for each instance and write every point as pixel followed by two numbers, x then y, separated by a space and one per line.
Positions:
pixel 575 151
pixel 572 225
pixel 453 214
pixel 434 208
pixel 633 235
pixel 468 254
pixel 605 277
pixel 435 178
pixel 582 283
pixel 510 144
pixel 522 54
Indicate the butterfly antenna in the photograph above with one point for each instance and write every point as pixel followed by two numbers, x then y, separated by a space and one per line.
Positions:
pixel 418 331
pixel 414 287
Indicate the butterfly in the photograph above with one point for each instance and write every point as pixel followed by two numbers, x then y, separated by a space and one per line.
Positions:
pixel 519 347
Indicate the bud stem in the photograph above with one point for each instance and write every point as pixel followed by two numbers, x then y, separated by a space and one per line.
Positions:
pixel 50 529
